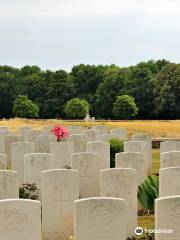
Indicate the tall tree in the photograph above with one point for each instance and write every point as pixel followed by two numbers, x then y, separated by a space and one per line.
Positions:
pixel 167 92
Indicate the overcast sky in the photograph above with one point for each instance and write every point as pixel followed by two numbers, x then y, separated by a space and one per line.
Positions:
pixel 56 34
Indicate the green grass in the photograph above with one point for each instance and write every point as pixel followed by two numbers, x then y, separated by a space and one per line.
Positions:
pixel 156 161
pixel 148 221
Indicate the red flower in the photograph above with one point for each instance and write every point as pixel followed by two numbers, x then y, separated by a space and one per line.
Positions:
pixel 60 132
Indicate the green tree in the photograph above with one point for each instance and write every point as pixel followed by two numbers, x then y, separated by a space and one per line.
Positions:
pixel 167 92
pixel 107 92
pixel 86 80
pixel 8 91
pixel 60 90
pixel 125 107
pixel 76 108
pixel 140 85
pixel 25 108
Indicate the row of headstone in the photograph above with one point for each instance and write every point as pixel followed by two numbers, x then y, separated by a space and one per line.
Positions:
pixel 94 218
pixel 60 188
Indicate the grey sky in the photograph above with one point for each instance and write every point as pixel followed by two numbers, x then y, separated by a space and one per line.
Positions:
pixel 57 34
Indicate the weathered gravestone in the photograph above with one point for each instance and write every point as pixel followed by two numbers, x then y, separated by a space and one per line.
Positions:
pixel 43 143
pixel 8 141
pixel 3 162
pixel 169 181
pixel 167 218
pixel 169 146
pixel 73 130
pixel 20 219
pixel 122 183
pixel 91 134
pixel 9 184
pixel 24 131
pixel 119 132
pixel 138 146
pixel 79 141
pixel 32 134
pixel 62 152
pixel 19 150
pixel 100 218
pixel 170 159
pixel 34 164
pixel 103 149
pixel 60 188
pixel 134 160
pixel 89 166
pixel 148 139
pixel 101 129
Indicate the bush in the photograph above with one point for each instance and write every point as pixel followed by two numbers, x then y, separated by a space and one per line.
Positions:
pixel 76 108
pixel 148 191
pixel 28 191
pixel 25 108
pixel 116 146
pixel 125 107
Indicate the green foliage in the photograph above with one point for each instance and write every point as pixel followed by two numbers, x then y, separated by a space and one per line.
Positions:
pixel 148 191
pixel 28 191
pixel 167 92
pixel 144 236
pixel 155 86
pixel 116 146
pixel 125 107
pixel 76 108
pixel 107 92
pixel 25 108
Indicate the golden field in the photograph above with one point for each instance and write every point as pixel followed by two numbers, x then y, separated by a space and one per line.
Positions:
pixel 155 128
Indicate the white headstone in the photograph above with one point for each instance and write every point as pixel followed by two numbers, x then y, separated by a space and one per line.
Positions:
pixel 32 134
pixel 132 160
pixel 122 183
pixel 43 143
pixel 9 184
pixel 138 146
pixel 24 131
pixel 101 129
pixel 91 135
pixel 79 141
pixel 120 132
pixel 74 130
pixel 18 151
pixel 60 188
pixel 100 218
pixel 3 162
pixel 148 139
pixel 169 181
pixel 8 141
pixel 34 164
pixel 169 146
pixel 20 219
pixel 170 159
pixel 89 166
pixel 103 149
pixel 62 152
pixel 167 218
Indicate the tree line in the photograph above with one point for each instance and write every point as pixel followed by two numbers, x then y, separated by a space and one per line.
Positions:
pixel 154 85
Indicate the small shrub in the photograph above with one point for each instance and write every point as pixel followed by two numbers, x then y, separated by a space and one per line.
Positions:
pixel 148 191
pixel 125 107
pixel 76 108
pixel 25 108
pixel 116 146
pixel 28 191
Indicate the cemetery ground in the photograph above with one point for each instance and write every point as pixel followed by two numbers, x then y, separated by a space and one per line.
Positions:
pixel 156 128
